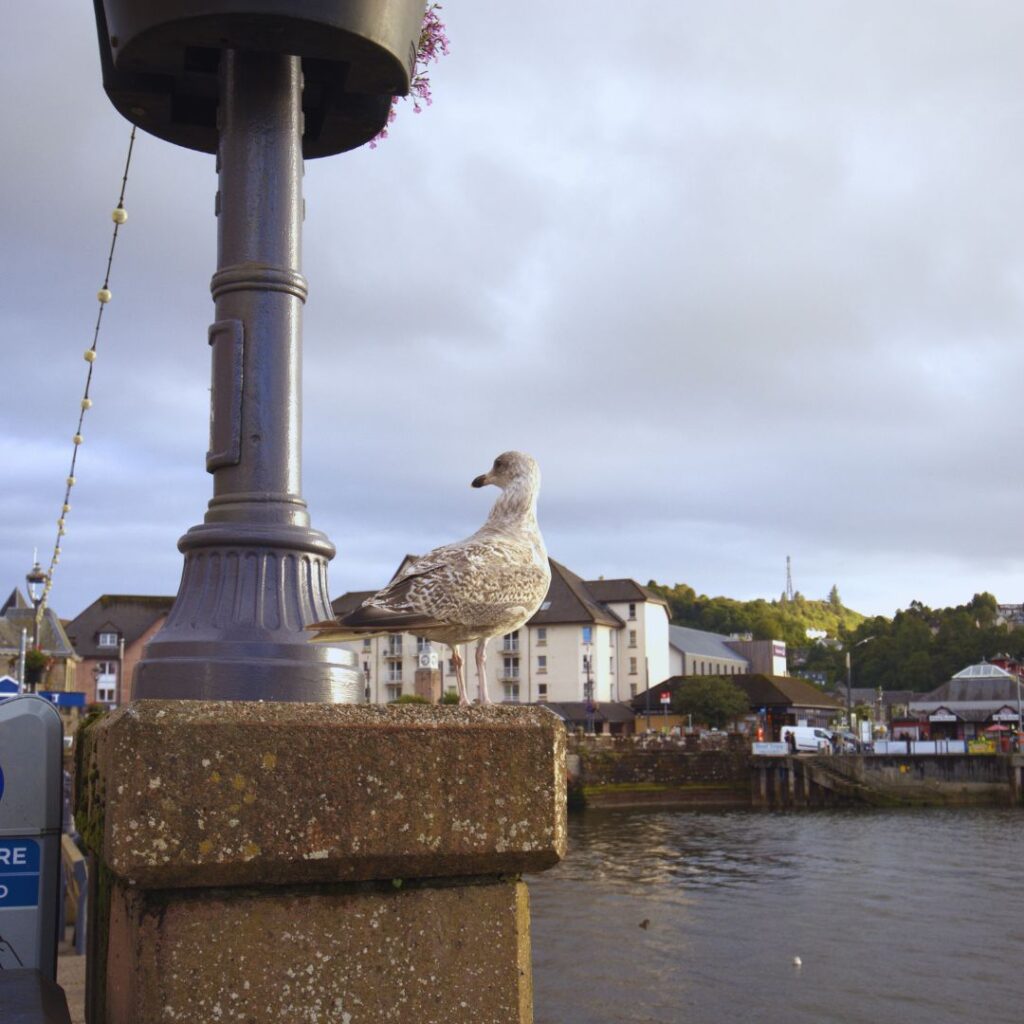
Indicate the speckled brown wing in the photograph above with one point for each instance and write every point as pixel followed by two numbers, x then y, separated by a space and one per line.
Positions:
pixel 475 583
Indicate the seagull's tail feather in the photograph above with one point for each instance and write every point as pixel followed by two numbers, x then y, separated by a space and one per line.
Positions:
pixel 333 632
pixel 369 621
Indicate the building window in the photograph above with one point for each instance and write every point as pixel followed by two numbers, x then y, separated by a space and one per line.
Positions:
pixel 511 693
pixel 632 689
pixel 510 668
pixel 395 673
pixel 423 646
pixel 588 634
pixel 107 640
pixel 394 690
pixel 632 638
pixel 632 609
pixel 542 635
pixel 451 667
pixel 395 645
pixel 542 691
pixel 366 643
pixel 632 666
pixel 106 681
pixel 510 641
pixel 542 663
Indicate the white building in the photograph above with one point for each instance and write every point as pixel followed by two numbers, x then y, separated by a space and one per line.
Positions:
pixel 608 636
pixel 694 652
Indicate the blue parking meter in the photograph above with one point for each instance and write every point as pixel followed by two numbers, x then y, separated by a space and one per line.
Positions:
pixel 31 737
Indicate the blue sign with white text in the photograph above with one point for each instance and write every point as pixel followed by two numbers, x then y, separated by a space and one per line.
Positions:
pixel 19 873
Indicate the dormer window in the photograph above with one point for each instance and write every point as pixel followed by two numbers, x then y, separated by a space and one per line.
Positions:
pixel 632 609
pixel 107 640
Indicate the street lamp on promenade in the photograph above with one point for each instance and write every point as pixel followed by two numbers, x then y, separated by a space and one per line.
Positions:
pixel 36 582
pixel 849 682
pixel 588 691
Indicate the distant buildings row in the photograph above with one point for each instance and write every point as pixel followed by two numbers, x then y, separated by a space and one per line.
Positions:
pixel 599 641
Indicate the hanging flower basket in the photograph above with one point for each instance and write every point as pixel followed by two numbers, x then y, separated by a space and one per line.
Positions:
pixel 160 62
pixel 36 665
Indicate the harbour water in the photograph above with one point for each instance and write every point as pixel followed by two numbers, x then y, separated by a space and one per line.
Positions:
pixel 696 918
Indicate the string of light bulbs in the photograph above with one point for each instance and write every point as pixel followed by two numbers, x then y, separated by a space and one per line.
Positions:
pixel 103 297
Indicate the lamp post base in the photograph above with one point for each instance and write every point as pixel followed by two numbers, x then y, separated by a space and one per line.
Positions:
pixel 237 628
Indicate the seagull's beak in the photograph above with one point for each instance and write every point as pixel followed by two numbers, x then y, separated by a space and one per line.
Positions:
pixel 482 480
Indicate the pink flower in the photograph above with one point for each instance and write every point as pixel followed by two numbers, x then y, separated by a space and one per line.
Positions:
pixel 433 45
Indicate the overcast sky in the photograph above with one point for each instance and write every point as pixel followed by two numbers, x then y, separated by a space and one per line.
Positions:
pixel 746 277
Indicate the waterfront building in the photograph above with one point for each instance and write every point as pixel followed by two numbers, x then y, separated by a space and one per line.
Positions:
pixel 979 700
pixel 696 652
pixel 17 616
pixel 110 636
pixel 590 640
pixel 774 701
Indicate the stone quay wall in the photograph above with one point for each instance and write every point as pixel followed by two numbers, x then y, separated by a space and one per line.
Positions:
pixel 678 773
pixel 644 773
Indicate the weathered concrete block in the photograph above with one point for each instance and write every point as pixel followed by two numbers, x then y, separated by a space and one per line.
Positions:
pixel 452 955
pixel 196 793
pixel 279 863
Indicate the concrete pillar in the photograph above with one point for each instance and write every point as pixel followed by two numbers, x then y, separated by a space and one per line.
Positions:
pixel 426 683
pixel 286 862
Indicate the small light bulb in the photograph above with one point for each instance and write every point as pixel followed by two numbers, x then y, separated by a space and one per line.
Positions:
pixel 86 403
pixel 71 481
pixel 65 508
pixel 60 522
pixel 120 215
pixel 77 439
pixel 89 355
pixel 104 295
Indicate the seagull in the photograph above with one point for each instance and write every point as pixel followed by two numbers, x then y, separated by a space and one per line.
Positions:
pixel 487 585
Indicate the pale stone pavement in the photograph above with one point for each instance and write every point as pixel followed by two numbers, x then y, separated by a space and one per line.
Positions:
pixel 71 978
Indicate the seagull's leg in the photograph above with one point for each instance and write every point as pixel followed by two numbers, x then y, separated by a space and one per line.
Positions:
pixel 481 671
pixel 459 678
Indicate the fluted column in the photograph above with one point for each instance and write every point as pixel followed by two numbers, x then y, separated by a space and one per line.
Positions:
pixel 255 572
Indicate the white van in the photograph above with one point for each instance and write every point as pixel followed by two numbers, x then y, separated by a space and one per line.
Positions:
pixel 807 737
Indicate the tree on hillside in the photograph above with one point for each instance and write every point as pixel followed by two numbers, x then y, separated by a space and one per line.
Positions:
pixel 713 700
pixel 834 598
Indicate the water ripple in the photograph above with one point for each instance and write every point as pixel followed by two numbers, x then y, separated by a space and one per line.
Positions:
pixel 660 917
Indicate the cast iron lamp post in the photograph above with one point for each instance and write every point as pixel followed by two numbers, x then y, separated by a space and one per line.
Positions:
pixel 262 84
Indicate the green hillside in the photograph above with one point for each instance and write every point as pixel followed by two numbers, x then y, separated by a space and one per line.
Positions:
pixel 766 620
pixel 917 649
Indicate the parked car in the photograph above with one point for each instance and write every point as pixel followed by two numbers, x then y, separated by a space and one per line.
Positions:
pixel 807 737
pixel 847 742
